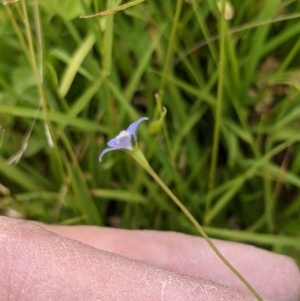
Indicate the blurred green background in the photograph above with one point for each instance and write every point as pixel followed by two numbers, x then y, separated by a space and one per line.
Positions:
pixel 228 74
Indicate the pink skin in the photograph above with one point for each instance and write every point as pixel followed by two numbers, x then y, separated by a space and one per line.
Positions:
pixel 81 263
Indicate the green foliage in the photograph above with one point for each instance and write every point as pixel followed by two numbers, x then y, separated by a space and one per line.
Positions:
pixel 227 146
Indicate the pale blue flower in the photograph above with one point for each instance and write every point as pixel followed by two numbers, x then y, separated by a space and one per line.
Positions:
pixel 123 141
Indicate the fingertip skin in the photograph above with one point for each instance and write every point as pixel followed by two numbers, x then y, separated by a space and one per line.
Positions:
pixel 40 265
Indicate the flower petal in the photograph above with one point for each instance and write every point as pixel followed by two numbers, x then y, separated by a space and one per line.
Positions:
pixel 108 149
pixel 133 127
pixel 122 140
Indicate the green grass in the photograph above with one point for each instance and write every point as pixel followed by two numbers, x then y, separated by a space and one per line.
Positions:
pixel 227 147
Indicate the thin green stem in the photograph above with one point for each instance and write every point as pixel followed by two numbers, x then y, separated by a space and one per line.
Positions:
pixel 139 157
pixel 35 68
pixel 167 65
pixel 218 113
pixel 170 50
pixel 27 43
pixel 114 9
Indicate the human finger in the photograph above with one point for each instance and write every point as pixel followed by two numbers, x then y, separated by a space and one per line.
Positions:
pixel 37 264
pixel 274 276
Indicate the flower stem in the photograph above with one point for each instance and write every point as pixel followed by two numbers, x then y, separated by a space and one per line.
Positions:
pixel 139 157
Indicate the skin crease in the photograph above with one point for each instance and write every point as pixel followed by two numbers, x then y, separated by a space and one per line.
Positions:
pixel 38 264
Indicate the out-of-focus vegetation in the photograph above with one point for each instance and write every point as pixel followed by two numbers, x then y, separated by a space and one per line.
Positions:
pixel 227 147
